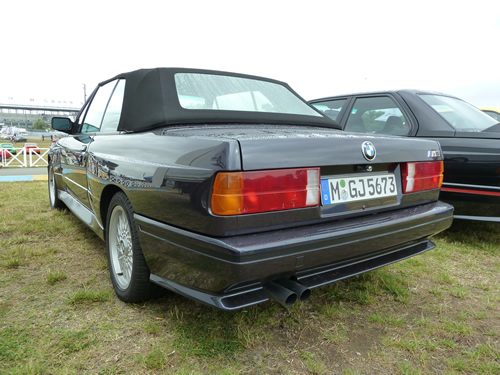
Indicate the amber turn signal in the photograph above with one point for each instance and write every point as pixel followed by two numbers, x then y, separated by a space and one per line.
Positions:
pixel 237 193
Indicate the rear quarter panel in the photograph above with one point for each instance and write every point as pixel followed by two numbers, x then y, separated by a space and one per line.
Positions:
pixel 162 176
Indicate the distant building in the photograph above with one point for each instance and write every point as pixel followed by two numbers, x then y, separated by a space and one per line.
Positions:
pixel 23 116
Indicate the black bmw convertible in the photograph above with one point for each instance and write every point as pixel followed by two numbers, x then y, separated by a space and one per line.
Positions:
pixel 232 190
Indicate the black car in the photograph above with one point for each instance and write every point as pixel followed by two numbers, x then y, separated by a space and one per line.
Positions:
pixel 469 138
pixel 230 189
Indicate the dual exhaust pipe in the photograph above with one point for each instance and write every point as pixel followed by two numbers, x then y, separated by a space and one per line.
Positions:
pixel 287 291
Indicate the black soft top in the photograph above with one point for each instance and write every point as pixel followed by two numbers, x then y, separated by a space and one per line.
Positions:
pixel 151 101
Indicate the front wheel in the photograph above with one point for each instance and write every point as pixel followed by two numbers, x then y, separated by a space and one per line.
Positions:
pixel 127 266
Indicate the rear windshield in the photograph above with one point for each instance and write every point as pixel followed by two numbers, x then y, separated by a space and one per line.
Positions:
pixel 459 114
pixel 228 93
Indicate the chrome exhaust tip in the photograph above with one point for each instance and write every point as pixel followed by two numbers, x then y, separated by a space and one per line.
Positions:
pixel 279 293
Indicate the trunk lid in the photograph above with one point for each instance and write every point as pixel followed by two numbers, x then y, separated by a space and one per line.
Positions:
pixel 274 147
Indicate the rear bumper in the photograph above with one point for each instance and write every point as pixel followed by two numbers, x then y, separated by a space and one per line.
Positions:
pixel 228 273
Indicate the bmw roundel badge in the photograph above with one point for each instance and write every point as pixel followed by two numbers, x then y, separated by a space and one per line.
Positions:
pixel 368 150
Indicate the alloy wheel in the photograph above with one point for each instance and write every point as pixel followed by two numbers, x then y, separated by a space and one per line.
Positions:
pixel 120 247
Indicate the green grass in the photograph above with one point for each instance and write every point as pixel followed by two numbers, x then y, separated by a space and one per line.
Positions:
pixel 86 296
pixel 55 277
pixel 435 313
pixel 198 338
pixel 390 320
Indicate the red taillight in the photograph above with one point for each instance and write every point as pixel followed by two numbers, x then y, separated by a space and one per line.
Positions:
pixel 422 176
pixel 236 193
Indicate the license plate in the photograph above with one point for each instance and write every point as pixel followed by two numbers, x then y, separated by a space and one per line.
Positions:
pixel 354 188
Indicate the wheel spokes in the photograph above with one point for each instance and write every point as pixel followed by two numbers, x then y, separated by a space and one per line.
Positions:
pixel 123 247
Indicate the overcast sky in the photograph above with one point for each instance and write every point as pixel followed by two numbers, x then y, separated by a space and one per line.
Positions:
pixel 51 48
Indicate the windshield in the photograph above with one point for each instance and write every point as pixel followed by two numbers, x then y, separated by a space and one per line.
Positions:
pixel 227 93
pixel 459 114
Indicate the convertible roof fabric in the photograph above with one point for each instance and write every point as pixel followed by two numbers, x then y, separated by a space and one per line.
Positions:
pixel 151 101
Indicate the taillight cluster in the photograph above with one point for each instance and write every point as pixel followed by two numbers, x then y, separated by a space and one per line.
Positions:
pixel 422 176
pixel 236 193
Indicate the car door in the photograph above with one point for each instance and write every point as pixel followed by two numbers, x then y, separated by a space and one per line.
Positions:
pixel 91 122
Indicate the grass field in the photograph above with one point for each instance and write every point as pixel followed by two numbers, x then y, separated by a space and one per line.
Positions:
pixel 435 313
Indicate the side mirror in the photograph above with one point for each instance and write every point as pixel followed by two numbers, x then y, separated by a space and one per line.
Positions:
pixel 62 124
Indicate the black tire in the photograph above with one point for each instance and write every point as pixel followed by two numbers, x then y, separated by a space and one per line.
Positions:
pixel 55 202
pixel 127 266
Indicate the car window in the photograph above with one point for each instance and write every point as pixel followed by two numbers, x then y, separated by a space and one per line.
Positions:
pixel 495 115
pixel 331 108
pixel 378 114
pixel 114 108
pixel 227 93
pixel 459 114
pixel 93 118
